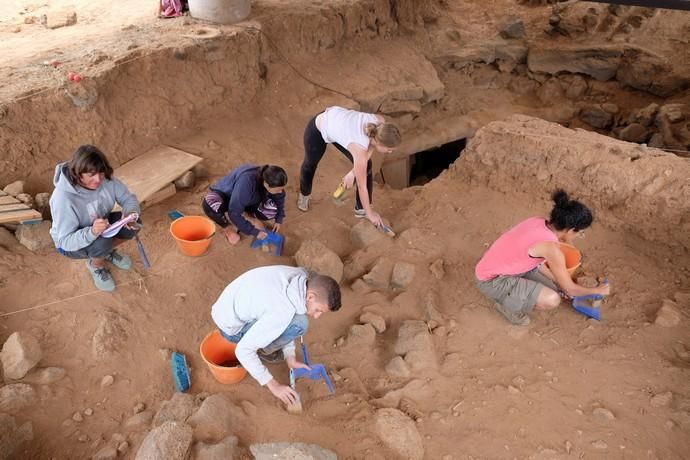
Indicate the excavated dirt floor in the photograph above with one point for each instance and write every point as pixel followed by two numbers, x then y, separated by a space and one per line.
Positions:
pixel 563 387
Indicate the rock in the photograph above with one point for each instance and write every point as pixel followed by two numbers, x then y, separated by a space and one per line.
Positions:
pixel 596 117
pixel 109 334
pixel 224 450
pixel 577 88
pixel 651 74
pixel 599 63
pixel 216 419
pixel 107 380
pixel 26 199
pixel 138 407
pixel 35 236
pixel 315 256
pixel 512 28
pixel 376 321
pixel 364 234
pixel 185 181
pixel 661 399
pixel 178 409
pixel 290 451
pixel 15 397
pixel 361 334
pixel 88 411
pixel 668 315
pixel 656 141
pixel 431 313
pixel 44 375
pixel 603 413
pixel 599 444
pixel 15 188
pixel 397 367
pixel 380 274
pixel 118 438
pixel 200 171
pixel 12 436
pixel 436 268
pixel 122 447
pixel 674 112
pixel 170 441
pixel 58 19
pixel 416 344
pixel 106 453
pixel 403 274
pixel 551 92
pixel 213 145
pixel 634 132
pixel 8 241
pixel 400 107
pixel 610 108
pixel 399 433
pixel 139 422
pixel 360 287
pixel 646 115
pixel 77 417
pixel 83 438
pixel 20 353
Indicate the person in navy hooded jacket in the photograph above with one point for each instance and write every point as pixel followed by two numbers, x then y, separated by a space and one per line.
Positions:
pixel 245 198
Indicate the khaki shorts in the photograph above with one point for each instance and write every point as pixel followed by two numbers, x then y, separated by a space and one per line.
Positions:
pixel 517 293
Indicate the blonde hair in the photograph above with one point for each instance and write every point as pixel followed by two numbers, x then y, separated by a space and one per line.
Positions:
pixel 386 134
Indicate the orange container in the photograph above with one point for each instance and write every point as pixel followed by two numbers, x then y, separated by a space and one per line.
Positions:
pixel 573 257
pixel 193 234
pixel 219 356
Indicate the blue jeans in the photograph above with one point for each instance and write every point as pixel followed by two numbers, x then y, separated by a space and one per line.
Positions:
pixel 297 328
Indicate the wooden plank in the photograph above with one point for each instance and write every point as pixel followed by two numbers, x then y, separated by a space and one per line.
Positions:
pixel 19 215
pixel 162 194
pixel 148 173
pixel 8 200
pixel 13 207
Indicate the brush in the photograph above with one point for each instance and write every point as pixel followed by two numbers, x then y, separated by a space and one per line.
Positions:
pixel 294 408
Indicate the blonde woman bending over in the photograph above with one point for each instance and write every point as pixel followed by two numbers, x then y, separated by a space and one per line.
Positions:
pixel 357 135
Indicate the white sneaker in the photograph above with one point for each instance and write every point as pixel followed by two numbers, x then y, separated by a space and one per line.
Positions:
pixel 360 213
pixel 303 202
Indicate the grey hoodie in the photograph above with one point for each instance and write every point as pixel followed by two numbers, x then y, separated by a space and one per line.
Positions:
pixel 268 296
pixel 74 208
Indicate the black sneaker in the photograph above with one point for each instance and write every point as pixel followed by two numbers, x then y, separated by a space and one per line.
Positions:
pixel 271 358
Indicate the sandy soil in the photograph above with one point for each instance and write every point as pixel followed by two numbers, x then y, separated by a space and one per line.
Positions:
pixel 497 391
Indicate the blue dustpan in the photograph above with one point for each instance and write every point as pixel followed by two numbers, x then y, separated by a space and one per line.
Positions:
pixel 317 372
pixel 583 305
pixel 273 239
pixel 180 371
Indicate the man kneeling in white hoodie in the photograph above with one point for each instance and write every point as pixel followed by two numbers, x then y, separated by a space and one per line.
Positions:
pixel 265 309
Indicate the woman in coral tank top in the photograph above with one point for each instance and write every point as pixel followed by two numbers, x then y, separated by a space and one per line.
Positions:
pixel 512 272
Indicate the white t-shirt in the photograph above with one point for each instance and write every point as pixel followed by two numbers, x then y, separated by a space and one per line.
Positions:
pixel 346 126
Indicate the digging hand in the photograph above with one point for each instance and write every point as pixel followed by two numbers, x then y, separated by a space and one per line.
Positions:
pixel 349 180
pixel 375 219
pixel 604 288
pixel 282 392
pixel 262 235
pixel 294 364
pixel 276 228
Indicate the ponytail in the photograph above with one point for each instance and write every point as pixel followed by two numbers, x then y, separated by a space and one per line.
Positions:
pixel 385 134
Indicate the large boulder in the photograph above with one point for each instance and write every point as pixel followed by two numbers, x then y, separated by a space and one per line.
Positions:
pixel 634 132
pixel 403 274
pixel 15 397
pixel 399 433
pixel 365 234
pixel 315 256
pixel 599 63
pixel 36 236
pixel 15 188
pixel 596 117
pixel 416 344
pixel 650 74
pixel 20 353
pixel 216 419
pixel 290 451
pixel 177 409
pixel 170 441
pixel 379 276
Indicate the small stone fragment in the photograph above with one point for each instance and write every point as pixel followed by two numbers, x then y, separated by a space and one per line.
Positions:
pixel 15 188
pixel 599 444
pixel 185 181
pixel 375 320
pixel 661 399
pixel 139 407
pixel 88 411
pixel 107 381
pixel 603 413
pixel 437 269
pixel 77 417
pixel 397 367
pixel 668 315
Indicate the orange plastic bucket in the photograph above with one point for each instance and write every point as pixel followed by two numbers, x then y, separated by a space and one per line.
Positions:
pixel 573 257
pixel 193 234
pixel 219 356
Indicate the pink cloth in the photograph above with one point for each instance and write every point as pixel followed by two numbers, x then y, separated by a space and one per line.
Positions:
pixel 171 8
pixel 509 255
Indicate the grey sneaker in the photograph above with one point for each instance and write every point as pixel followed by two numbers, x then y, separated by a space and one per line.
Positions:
pixel 101 277
pixel 303 202
pixel 271 358
pixel 516 318
pixel 121 261
pixel 360 213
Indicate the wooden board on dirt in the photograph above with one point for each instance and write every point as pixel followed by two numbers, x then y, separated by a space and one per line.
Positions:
pixel 162 194
pixel 13 210
pixel 148 173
